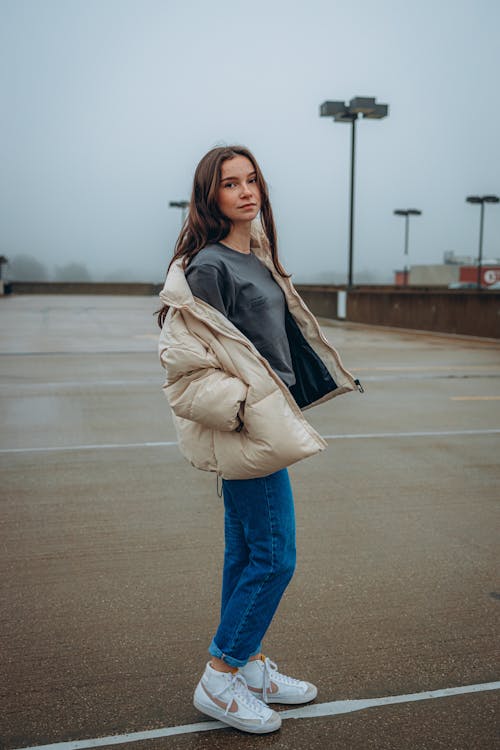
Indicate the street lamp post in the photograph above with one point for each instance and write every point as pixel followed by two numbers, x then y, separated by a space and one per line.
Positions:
pixel 183 205
pixel 341 112
pixel 407 212
pixel 481 200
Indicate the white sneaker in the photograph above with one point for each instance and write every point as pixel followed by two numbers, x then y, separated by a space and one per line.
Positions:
pixel 264 680
pixel 225 696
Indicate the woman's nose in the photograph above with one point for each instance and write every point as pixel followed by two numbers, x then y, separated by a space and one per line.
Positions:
pixel 245 189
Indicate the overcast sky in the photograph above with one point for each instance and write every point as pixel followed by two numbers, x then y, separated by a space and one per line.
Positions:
pixel 107 106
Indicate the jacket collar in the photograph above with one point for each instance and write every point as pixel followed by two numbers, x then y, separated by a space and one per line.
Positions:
pixel 176 291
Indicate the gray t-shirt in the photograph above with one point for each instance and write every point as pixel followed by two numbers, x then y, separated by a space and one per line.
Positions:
pixel 243 289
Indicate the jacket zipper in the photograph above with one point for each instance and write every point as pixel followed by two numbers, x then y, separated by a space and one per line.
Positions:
pixel 321 335
pixel 359 386
pixel 281 281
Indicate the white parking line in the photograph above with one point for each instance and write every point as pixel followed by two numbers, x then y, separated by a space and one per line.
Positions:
pixel 63 384
pixel 89 447
pixel 430 433
pixel 170 443
pixel 401 374
pixel 474 398
pixel 333 708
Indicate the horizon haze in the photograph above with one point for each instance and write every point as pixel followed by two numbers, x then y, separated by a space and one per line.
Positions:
pixel 108 107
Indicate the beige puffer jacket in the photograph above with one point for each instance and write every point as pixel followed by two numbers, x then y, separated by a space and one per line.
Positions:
pixel 217 380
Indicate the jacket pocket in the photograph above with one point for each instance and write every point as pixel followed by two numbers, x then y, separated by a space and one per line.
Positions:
pixel 272 438
pixel 196 443
pixel 211 397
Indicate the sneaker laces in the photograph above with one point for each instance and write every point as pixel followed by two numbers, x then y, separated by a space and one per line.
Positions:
pixel 270 672
pixel 239 688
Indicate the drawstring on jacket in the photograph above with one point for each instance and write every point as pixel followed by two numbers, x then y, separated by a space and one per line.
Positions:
pixel 219 491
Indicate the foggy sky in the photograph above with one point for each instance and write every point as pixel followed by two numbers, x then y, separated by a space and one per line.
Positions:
pixel 107 106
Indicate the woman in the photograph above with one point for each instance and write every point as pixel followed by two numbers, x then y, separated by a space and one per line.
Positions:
pixel 244 356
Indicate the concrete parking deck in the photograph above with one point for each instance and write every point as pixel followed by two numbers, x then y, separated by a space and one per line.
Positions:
pixel 112 544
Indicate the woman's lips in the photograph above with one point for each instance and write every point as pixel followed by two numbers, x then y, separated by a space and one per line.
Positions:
pixel 248 205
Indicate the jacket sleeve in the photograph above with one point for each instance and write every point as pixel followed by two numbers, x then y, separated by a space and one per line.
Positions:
pixel 199 390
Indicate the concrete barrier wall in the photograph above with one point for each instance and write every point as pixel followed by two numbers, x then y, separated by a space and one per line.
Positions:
pixel 466 312
pixel 82 287
pixel 322 300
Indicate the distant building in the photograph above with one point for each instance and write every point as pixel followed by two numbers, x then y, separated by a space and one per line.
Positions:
pixel 490 274
pixel 434 275
pixel 450 257
pixel 455 269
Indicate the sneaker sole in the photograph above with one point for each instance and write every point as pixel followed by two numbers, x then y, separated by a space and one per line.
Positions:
pixel 309 696
pixel 238 723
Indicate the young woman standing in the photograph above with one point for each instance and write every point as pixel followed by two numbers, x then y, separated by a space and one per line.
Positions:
pixel 244 357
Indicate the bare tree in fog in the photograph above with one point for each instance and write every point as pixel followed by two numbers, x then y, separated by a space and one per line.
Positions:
pixel 121 274
pixel 72 272
pixel 26 268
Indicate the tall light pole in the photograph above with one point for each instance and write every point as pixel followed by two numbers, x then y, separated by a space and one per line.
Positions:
pixel 183 205
pixel 482 200
pixel 407 212
pixel 341 112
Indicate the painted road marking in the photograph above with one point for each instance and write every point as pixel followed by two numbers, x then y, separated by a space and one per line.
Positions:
pixel 62 385
pixel 89 447
pixel 333 708
pixel 424 368
pixel 474 398
pixel 170 443
pixel 436 433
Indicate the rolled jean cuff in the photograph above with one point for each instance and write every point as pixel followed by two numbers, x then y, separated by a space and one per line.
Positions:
pixel 214 650
pixel 257 651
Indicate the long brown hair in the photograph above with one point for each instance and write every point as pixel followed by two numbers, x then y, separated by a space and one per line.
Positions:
pixel 205 224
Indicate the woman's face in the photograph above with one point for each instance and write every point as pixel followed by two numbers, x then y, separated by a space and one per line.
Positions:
pixel 238 196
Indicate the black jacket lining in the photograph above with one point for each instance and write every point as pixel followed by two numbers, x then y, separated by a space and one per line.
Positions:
pixel 313 381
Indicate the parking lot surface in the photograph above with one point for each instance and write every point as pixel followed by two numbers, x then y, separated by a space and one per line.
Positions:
pixel 112 544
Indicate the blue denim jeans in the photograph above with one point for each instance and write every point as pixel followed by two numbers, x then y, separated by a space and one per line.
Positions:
pixel 259 561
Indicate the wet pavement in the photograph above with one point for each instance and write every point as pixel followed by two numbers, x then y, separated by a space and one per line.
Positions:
pixel 112 546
